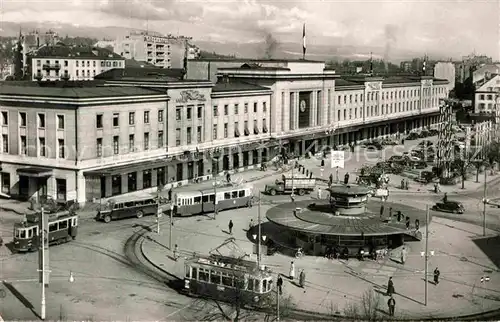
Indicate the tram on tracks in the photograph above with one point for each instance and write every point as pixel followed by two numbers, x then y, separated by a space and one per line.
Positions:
pixel 206 201
pixel 63 227
pixel 226 278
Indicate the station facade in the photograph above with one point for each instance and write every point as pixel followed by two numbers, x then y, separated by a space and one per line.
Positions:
pixel 108 138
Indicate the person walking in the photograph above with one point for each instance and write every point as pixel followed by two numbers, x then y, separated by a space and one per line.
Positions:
pixel 176 252
pixel 436 276
pixel 250 225
pixel 279 283
pixel 228 177
pixel 170 194
pixel 302 278
pixel 381 211
pixel 390 287
pixel 322 163
pixel 346 178
pixel 445 197
pixel 231 227
pixel 319 193
pixel 417 224
pixel 392 305
pixel 292 270
pixel 330 181
pixel 403 255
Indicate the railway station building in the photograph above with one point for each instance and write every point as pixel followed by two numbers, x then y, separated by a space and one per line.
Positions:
pixel 136 129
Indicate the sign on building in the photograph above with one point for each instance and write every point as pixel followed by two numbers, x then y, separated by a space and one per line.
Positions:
pixel 337 159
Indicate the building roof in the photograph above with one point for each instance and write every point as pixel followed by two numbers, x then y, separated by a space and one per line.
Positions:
pixel 138 64
pixel 249 60
pixel 71 90
pixel 140 73
pixel 236 86
pixel 345 82
pixel 258 66
pixel 75 52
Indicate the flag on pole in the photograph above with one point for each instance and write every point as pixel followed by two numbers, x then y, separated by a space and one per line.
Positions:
pixel 304 41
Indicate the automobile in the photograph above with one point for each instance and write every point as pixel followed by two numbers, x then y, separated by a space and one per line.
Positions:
pixel 449 206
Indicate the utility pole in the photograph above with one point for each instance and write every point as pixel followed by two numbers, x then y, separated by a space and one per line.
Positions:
pixel 158 213
pixel 171 225
pixel 43 262
pixel 277 304
pixel 485 201
pixel 260 233
pixel 426 252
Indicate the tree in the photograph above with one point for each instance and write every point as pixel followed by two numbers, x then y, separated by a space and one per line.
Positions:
pixel 18 62
pixel 369 309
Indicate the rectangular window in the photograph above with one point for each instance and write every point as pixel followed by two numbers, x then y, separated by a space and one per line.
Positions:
pixel 146 117
pixel 264 107
pixel 245 108
pixel 146 141
pixel 5 181
pixel 255 127
pixel 177 137
pixel 216 110
pixel 23 144
pixel 245 129
pixel 99 147
pixel 60 122
pixel 225 130
pixel 236 109
pixel 199 137
pixel 5 118
pixel 98 121
pixel 61 189
pixel 178 116
pixel 226 109
pixel 22 119
pixel 116 144
pixel 62 152
pixel 214 134
pixel 131 143
pixel 236 129
pixel 189 112
pixel 160 139
pixel 41 147
pixel 255 107
pixel 160 116
pixel 199 111
pixel 116 119
pixel 5 143
pixel 188 135
pixel 131 118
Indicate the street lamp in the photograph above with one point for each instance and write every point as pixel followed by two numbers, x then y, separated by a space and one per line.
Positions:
pixel 426 253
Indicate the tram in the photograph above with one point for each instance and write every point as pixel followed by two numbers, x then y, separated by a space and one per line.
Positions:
pixel 206 201
pixel 226 278
pixel 63 227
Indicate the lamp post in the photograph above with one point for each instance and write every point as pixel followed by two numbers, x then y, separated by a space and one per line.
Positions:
pixel 43 259
pixel 426 253
pixel 260 232
pixel 216 156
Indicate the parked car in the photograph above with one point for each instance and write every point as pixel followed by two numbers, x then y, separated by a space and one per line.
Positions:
pixel 449 206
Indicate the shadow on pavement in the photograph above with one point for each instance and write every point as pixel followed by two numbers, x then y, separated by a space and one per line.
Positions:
pixel 10 247
pixel 147 228
pixel 21 298
pixel 489 245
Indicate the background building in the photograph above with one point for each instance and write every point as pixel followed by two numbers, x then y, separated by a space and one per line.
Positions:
pixel 487 96
pixel 445 70
pixel 72 63
pixel 162 51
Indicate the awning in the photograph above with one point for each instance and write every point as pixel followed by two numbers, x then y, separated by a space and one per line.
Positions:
pixel 236 132
pixel 247 132
pixel 35 172
pixel 123 169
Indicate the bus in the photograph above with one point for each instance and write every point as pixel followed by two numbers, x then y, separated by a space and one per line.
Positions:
pixel 128 208
pixel 63 227
pixel 225 278
pixel 207 201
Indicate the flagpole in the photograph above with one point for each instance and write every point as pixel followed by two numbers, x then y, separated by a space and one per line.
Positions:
pixel 304 42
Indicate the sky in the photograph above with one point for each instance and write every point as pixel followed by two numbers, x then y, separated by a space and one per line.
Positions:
pixel 453 26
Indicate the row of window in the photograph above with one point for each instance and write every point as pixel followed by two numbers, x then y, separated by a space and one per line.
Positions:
pixel 5 183
pixel 488 97
pixel 131 143
pixel 237 133
pixel 84 63
pixel 131 118
pixel 41 120
pixel 41 146
pixel 374 110
pixel 388 95
pixel 483 106
pixel 236 108
pixel 199 135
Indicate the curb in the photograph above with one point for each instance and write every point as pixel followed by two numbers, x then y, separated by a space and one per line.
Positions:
pixel 301 314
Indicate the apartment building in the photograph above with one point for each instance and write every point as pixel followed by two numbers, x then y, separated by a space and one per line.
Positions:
pixel 486 97
pixel 138 132
pixel 60 62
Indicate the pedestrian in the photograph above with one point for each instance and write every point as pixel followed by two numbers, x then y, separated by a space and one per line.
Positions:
pixel 310 175
pixel 228 176
pixel 302 278
pixel 279 283
pixel 445 197
pixel 170 194
pixel 330 179
pixel 381 211
pixel 403 255
pixel 392 305
pixel 407 222
pixel 176 252
pixel 402 184
pixel 407 184
pixel 390 287
pixel 390 212
pixel 292 270
pixel 231 227
pixel 417 224
pixel 250 225
pixel 319 193
pixel 346 178
pixel 322 163
pixel 400 216
pixel 436 276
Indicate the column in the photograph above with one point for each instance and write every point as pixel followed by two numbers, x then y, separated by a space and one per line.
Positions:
pixel 314 107
pixel 124 182
pixel 154 177
pixel 320 115
pixel 240 159
pixel 259 156
pixel 80 188
pixel 109 186
pixel 140 181
pixel 293 111
pixel 296 115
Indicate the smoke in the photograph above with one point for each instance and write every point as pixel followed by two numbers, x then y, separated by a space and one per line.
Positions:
pixel 271 45
pixel 391 39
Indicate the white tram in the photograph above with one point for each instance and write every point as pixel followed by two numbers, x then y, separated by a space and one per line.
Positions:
pixel 226 278
pixel 206 201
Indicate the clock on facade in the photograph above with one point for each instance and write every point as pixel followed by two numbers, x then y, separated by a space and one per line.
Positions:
pixel 302 106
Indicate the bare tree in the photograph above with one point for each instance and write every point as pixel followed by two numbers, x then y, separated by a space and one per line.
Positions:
pixel 368 309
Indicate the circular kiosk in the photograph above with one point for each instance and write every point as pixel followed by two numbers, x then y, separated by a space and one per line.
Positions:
pixel 349 220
